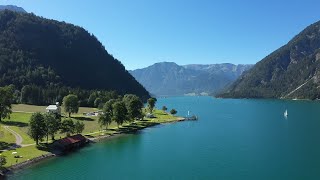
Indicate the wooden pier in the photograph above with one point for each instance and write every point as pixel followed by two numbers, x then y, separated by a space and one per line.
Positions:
pixel 191 118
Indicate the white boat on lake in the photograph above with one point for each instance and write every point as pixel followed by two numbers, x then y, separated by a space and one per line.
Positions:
pixel 285 114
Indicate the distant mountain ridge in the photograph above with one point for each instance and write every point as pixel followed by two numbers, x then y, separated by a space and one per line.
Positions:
pixel 292 71
pixel 170 79
pixel 12 8
pixel 224 68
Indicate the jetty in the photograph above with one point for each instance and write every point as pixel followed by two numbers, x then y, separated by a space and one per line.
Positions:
pixel 193 118
pixel 190 117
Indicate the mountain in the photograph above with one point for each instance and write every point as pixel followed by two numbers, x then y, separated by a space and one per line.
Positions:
pixel 230 71
pixel 52 55
pixel 169 79
pixel 292 71
pixel 12 8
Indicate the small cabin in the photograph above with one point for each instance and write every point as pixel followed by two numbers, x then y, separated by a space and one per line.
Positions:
pixel 54 109
pixel 70 143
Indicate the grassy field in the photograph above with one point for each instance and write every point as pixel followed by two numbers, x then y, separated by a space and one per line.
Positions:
pixel 28 108
pixel 19 122
pixel 26 153
pixel 162 117
pixel 20 119
pixel 31 108
pixel 6 138
pixel 23 133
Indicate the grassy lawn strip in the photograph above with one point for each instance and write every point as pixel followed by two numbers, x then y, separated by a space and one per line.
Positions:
pixel 32 108
pixel 6 138
pixel 26 153
pixel 162 117
pixel 28 108
pixel 17 119
pixel 23 133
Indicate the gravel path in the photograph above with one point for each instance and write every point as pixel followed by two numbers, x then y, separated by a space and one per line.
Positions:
pixel 18 137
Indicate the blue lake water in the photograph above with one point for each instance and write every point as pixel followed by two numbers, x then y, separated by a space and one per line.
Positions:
pixel 233 139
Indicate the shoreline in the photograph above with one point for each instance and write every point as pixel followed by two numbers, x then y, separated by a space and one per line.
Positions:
pixel 22 165
pixel 108 137
pixel 25 164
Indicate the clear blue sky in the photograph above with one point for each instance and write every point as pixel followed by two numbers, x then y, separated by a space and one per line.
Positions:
pixel 142 32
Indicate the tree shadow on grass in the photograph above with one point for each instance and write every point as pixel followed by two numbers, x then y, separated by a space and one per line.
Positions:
pixel 43 146
pixel 162 113
pixel 14 123
pixel 83 118
pixel 5 145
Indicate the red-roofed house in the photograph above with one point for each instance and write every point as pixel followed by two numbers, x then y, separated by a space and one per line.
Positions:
pixel 70 143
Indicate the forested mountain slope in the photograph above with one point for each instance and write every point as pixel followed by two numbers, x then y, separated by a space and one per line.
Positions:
pixel 292 71
pixel 53 57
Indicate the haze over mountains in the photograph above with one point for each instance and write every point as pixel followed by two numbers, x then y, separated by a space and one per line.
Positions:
pixel 291 71
pixel 170 79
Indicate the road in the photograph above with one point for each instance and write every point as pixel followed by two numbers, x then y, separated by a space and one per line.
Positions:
pixel 18 137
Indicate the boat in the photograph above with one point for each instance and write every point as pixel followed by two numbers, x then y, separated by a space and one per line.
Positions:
pixel 285 114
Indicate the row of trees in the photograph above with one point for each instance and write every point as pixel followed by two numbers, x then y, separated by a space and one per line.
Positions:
pixel 151 104
pixel 172 111
pixel 45 125
pixel 120 110
pixel 37 95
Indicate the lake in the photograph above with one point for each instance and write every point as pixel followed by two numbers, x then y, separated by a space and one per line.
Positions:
pixel 233 139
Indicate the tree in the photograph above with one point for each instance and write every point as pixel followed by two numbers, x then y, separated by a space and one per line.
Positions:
pixel 6 96
pixel 67 126
pixel 151 103
pixel 119 112
pixel 164 108
pixel 3 160
pixel 37 127
pixel 71 104
pixel 97 103
pixel 173 111
pixel 78 127
pixel 53 123
pixel 105 118
pixel 134 106
pixel 108 105
pixel 93 96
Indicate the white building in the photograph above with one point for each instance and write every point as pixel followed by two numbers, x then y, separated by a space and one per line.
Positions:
pixel 54 108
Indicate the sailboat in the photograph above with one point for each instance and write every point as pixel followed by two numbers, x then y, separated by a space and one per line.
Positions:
pixel 285 114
